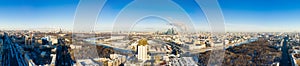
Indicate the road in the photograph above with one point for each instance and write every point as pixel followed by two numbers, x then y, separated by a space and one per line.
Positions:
pixel 285 60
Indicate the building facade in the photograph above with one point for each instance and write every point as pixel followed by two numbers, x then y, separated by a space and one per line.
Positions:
pixel 142 49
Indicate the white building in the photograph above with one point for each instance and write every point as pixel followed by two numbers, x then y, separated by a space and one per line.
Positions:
pixel 88 62
pixel 183 61
pixel 53 59
pixel 226 42
pixel 194 45
pixel 75 46
pixel 114 60
pixel 142 49
pixel 53 40
pixel 27 40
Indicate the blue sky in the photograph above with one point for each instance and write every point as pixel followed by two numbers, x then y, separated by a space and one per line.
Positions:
pixel 240 15
pixel 32 14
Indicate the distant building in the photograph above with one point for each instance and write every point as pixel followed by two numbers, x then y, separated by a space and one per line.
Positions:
pixel 170 32
pixel 1 42
pixel 29 40
pixel 226 42
pixel 114 60
pixel 199 45
pixel 75 46
pixel 183 61
pixel 60 31
pixel 89 62
pixel 32 39
pixel 49 40
pixel 54 40
pixel 44 41
pixel 134 63
pixel 142 49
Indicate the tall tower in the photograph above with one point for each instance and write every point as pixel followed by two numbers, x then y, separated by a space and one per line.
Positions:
pixel 142 49
pixel 26 39
pixel 32 40
pixel 170 31
pixel 60 31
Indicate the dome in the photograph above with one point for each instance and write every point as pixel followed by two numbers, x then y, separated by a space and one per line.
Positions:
pixel 142 42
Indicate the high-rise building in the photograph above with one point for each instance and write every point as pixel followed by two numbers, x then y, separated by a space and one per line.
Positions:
pixel 29 40
pixel 32 40
pixel 142 49
pixel 1 42
pixel 26 39
pixel 45 41
pixel 170 32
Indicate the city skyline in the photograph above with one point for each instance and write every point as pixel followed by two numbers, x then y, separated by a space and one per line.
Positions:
pixel 240 16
